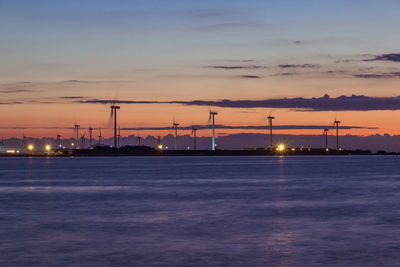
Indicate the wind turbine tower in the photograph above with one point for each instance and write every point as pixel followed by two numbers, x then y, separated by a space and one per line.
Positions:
pixel 23 140
pixel 212 117
pixel 90 136
pixel 119 135
pixel 270 118
pixel 58 140
pixel 326 137
pixel 76 133
pixel 83 140
pixel 114 109
pixel 99 136
pixel 194 132
pixel 175 128
pixel 336 123
pixel 158 141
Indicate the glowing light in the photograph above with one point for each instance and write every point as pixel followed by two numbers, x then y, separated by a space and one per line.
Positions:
pixel 72 144
pixel 293 149
pixel 12 151
pixel 30 147
pixel 281 147
pixel 160 147
pixel 47 148
pixel 327 149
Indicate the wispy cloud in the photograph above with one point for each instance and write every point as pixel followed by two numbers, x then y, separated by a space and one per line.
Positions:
pixel 250 77
pixel 14 91
pixel 286 66
pixel 11 103
pixel 72 97
pixel 324 103
pixel 286 74
pixel 237 67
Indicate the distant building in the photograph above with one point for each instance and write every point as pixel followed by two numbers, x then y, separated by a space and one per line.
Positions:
pixel 10 150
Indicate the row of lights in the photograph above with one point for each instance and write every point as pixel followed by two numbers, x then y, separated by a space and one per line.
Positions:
pixel 282 148
pixel 46 148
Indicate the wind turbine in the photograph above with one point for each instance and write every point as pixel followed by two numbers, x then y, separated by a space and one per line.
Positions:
pixel 326 137
pixel 99 136
pixel 58 139
pixel 139 139
pixel 194 131
pixel 83 140
pixel 336 123
pixel 175 129
pixel 212 117
pixel 90 136
pixel 270 118
pixel 114 109
pixel 23 140
pixel 76 133
pixel 119 135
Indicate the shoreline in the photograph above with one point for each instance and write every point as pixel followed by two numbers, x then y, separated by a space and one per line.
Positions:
pixel 146 151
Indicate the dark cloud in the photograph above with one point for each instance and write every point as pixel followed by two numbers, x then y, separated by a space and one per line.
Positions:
pixel 248 127
pixel 378 76
pixel 324 103
pixel 394 57
pixel 250 76
pixel 100 101
pixel 298 42
pixel 246 67
pixel 287 66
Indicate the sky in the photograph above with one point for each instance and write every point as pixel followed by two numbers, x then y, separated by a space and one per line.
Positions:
pixel 305 62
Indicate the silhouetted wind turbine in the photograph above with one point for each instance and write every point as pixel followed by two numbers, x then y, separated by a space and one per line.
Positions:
pixel 270 118
pixel 58 139
pixel 119 135
pixel 83 140
pixel 326 137
pixel 114 109
pixel 159 142
pixel 90 136
pixel 336 123
pixel 194 131
pixel 76 133
pixel 139 139
pixel 175 128
pixel 24 140
pixel 212 117
pixel 99 136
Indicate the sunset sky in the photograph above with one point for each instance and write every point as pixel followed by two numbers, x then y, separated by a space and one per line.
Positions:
pixel 63 62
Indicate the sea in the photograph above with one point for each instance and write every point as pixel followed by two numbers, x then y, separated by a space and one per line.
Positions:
pixel 200 211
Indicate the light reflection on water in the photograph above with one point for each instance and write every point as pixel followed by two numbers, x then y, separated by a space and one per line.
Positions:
pixel 196 211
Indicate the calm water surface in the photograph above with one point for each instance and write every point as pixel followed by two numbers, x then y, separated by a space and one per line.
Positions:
pixel 200 211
